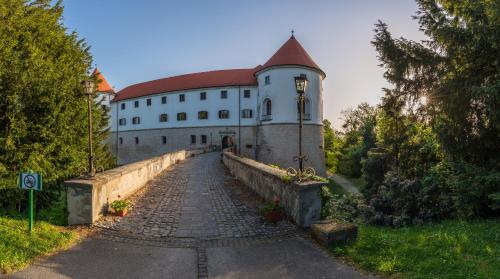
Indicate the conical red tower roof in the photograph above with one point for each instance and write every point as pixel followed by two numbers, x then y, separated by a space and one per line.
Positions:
pixel 103 85
pixel 292 53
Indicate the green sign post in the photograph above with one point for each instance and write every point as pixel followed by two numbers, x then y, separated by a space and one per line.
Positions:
pixel 32 182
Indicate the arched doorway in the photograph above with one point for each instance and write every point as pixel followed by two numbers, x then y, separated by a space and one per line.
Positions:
pixel 227 141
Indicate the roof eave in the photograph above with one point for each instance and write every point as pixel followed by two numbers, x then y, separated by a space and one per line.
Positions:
pixel 291 65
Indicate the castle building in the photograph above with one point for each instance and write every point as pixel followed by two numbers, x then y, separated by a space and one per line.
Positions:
pixel 254 110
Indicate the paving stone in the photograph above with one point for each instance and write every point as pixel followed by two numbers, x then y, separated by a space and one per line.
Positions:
pixel 191 200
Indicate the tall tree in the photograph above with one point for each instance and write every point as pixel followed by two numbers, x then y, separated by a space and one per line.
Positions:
pixel 449 86
pixel 42 108
pixel 457 71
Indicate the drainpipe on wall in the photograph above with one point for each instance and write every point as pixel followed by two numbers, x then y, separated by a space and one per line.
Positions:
pixel 239 121
pixel 257 124
pixel 117 129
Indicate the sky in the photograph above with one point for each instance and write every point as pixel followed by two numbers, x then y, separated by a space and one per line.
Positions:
pixel 135 41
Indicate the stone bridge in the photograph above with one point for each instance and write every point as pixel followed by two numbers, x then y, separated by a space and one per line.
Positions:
pixel 193 221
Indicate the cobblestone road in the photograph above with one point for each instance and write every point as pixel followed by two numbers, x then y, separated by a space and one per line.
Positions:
pixel 196 199
pixel 193 221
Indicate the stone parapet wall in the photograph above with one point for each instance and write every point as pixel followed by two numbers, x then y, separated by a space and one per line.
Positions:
pixel 301 200
pixel 88 199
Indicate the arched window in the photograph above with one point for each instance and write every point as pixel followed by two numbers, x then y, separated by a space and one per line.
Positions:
pixel 306 109
pixel 267 110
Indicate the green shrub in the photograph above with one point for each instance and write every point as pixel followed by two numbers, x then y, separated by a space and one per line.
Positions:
pixel 346 208
pixel 120 205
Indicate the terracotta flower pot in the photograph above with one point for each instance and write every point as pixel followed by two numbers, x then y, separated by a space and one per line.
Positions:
pixel 121 213
pixel 274 216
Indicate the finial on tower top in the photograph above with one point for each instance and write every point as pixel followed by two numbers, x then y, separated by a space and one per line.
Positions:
pixel 292 33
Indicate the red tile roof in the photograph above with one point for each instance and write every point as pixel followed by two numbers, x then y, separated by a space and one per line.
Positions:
pixel 292 53
pixel 103 85
pixel 222 78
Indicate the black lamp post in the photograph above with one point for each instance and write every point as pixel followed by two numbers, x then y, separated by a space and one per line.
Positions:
pixel 88 89
pixel 300 86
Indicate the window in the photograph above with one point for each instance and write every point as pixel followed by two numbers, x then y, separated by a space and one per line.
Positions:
pixel 136 120
pixel 246 113
pixel 248 146
pixel 203 115
pixel 136 140
pixel 121 140
pixel 246 94
pixel 122 121
pixel 148 102
pixel 164 139
pixel 204 139
pixel 193 139
pixel 123 106
pixel 182 98
pixel 163 117
pixel 223 94
pixel 223 114
pixel 136 104
pixel 268 107
pixel 203 95
pixel 181 116
pixel 164 99
pixel 267 110
pixel 267 80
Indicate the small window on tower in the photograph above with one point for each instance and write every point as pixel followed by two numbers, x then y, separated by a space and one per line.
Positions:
pixel 123 106
pixel 136 104
pixel 203 95
pixel 121 140
pixel 164 99
pixel 136 120
pixel 122 122
pixel 193 139
pixel 164 139
pixel 148 102
pixel 267 80
pixel 204 139
pixel 223 94
pixel 136 140
pixel 182 98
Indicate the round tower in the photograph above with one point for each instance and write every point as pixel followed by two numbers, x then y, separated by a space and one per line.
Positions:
pixel 278 132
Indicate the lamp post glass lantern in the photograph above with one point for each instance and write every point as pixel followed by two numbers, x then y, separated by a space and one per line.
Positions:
pixel 300 87
pixel 300 84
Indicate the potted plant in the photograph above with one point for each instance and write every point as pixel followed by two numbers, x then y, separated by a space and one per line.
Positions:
pixel 273 212
pixel 120 207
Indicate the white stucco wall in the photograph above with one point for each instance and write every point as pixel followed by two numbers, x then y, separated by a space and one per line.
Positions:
pixel 192 105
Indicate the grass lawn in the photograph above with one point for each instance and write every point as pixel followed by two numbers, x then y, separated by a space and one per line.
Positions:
pixel 18 247
pixel 451 249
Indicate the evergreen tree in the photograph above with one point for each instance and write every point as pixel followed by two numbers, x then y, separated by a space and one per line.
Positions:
pixel 446 88
pixel 43 112
pixel 457 71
